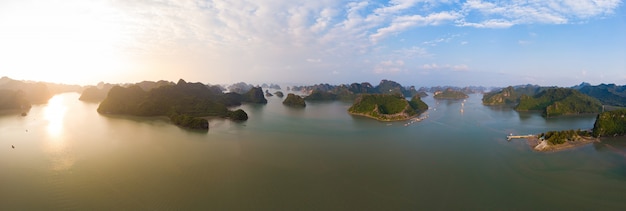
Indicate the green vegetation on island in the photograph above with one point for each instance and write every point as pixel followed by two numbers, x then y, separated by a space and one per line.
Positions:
pixel 326 92
pixel 190 122
pixel 450 94
pixel 387 107
pixel 511 95
pixel 318 95
pixel 610 123
pixel 560 140
pixel 254 95
pixel 183 102
pixel 294 101
pixel 608 94
pixel 560 137
pixel 559 101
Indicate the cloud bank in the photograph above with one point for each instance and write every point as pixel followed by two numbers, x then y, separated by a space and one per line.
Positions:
pixel 248 38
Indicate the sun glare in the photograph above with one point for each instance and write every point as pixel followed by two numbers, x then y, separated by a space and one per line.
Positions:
pixel 54 113
pixel 62 41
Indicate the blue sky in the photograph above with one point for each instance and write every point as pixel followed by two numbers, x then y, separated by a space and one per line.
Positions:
pixel 414 42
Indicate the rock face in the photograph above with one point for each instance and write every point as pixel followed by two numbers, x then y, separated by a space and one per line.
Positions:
pixel 93 94
pixel 255 95
pixel 294 101
pixel 510 95
pixel 610 123
pixel 279 94
pixel 559 101
pixel 387 107
pixel 506 96
pixel 450 94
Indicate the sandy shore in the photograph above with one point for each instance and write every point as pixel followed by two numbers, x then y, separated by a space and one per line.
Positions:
pixel 544 146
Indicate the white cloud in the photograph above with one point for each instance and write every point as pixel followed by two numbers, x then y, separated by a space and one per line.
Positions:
pixel 253 37
pixel 314 60
pixel 494 23
pixel 460 67
pixel 444 39
pixel 503 14
pixel 389 66
pixel 413 52
pixel 434 66
pixel 402 23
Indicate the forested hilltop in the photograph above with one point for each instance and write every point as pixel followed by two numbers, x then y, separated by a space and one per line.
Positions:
pixel 183 103
pixel 450 94
pixel 511 95
pixel 387 107
pixel 352 91
pixel 610 123
pixel 559 101
pixel 608 94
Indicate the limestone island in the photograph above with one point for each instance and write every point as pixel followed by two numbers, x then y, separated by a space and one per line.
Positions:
pixel 450 94
pixel 559 101
pixel 186 104
pixel 279 94
pixel 387 107
pixel 294 101
pixel 552 141
pixel 609 123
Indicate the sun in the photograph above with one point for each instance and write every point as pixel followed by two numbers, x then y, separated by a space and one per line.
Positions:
pixel 62 41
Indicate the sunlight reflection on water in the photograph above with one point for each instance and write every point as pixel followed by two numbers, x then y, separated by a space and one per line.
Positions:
pixel 54 114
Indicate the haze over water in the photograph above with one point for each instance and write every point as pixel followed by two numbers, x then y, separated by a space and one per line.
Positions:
pixel 67 156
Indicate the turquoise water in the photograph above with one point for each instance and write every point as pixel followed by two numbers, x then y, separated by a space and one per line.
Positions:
pixel 67 156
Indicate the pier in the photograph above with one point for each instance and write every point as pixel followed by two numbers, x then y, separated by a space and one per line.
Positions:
pixel 509 137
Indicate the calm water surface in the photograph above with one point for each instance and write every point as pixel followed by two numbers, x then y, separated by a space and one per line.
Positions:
pixel 67 156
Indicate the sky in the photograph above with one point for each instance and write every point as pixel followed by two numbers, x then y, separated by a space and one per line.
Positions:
pixel 414 42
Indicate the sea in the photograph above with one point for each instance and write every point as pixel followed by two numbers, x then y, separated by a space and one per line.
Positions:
pixel 64 155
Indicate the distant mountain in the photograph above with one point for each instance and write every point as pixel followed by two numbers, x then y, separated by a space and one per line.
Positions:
pixel 559 101
pixel 608 94
pixel 34 92
pixel 466 90
pixel 99 93
pixel 240 87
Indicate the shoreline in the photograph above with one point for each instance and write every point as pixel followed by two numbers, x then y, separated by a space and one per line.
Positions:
pixel 384 120
pixel 543 145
